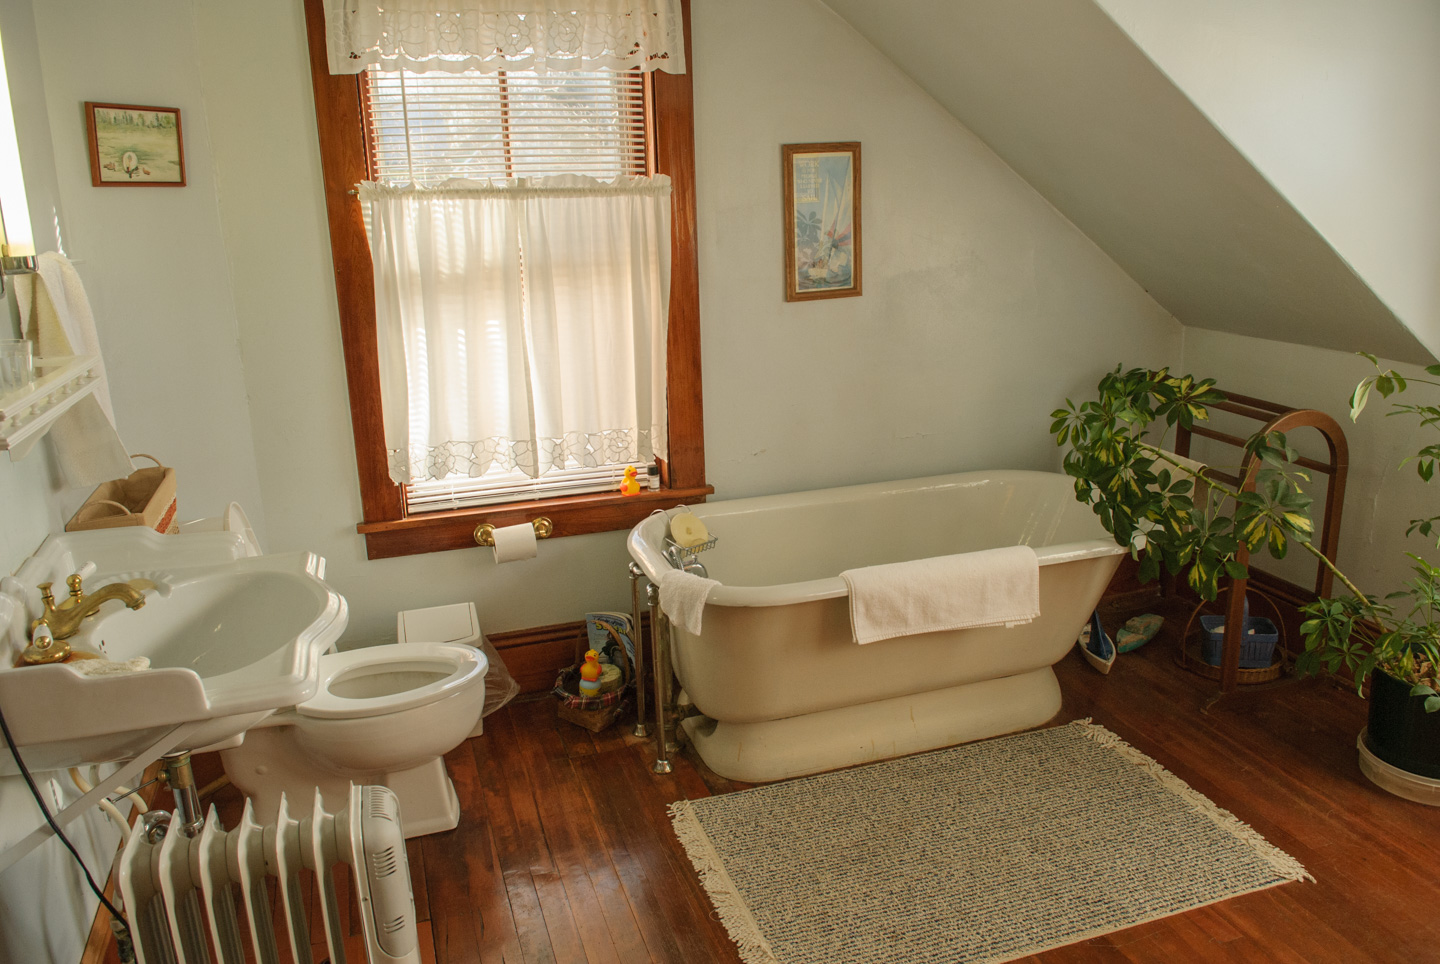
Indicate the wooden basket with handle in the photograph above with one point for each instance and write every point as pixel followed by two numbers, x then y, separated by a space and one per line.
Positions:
pixel 146 497
pixel 594 713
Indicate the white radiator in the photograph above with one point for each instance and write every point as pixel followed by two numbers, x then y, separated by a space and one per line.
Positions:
pixel 181 892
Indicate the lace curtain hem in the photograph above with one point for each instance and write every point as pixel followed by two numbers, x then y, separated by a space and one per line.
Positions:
pixel 532 457
pixel 558 185
pixel 459 35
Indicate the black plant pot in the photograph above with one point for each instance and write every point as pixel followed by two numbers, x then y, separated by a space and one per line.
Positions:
pixel 1400 732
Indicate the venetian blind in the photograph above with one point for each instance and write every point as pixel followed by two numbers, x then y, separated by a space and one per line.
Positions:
pixel 431 127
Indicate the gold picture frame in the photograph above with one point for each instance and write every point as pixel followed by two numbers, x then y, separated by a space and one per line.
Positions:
pixel 821 220
pixel 135 146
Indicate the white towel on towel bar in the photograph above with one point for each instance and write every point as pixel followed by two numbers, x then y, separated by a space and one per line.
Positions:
pixel 682 597
pixel 56 316
pixel 991 587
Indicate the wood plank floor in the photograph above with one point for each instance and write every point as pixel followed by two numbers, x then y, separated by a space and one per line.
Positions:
pixel 564 851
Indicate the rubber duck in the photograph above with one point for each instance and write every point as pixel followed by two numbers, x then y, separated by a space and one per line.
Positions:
pixel 590 672
pixel 629 484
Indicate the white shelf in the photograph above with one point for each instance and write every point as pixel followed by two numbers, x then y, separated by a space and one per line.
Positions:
pixel 26 415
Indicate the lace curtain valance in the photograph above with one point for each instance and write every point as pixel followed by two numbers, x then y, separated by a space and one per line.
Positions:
pixel 491 35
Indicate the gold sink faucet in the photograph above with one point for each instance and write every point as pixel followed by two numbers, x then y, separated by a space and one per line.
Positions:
pixel 64 619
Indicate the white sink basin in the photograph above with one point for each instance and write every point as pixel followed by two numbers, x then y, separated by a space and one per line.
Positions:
pixel 230 640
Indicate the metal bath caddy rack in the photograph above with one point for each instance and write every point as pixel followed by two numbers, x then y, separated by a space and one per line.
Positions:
pixel 685 557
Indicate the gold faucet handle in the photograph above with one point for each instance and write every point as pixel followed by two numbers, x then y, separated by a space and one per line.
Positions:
pixel 44 647
pixel 46 596
pixel 77 592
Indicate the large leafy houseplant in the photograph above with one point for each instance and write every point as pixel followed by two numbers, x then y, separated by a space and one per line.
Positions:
pixel 1176 515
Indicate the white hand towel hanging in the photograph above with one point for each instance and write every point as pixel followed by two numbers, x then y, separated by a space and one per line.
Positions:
pixel 57 318
pixel 682 597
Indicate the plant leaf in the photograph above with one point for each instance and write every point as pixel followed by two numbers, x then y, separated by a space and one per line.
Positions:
pixel 1358 399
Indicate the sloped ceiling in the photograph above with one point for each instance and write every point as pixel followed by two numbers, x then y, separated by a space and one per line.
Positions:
pixel 1067 99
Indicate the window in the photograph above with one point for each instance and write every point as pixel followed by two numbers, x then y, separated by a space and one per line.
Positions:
pixel 429 127
pixel 510 124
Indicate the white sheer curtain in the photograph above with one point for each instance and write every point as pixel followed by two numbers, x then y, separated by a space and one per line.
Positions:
pixel 521 326
pixel 489 35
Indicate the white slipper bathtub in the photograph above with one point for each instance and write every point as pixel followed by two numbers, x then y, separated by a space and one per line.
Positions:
pixel 783 688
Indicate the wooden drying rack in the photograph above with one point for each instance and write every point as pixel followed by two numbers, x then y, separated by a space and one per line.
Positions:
pixel 1276 418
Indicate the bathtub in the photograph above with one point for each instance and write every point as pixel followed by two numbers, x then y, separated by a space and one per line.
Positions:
pixel 782 687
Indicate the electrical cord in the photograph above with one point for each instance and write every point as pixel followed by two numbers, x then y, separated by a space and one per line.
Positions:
pixel 40 801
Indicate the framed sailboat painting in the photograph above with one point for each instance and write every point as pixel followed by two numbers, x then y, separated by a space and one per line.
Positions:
pixel 822 220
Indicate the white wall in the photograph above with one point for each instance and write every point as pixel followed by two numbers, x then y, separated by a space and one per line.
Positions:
pixel 983 307
pixel 1067 99
pixel 153 259
pixel 33 498
pixel 1381 498
pixel 45 908
pixel 1338 104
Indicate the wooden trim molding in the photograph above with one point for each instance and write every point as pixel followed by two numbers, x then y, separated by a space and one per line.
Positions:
pixel 570 516
pixel 388 530
pixel 535 656
pixel 342 155
pixel 675 156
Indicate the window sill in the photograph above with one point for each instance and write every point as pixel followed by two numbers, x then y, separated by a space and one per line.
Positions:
pixel 571 516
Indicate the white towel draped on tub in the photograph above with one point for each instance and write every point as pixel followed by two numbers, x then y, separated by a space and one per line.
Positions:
pixel 987 588
pixel 682 597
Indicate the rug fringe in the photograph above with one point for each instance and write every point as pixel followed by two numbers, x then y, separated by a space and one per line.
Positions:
pixel 1285 865
pixel 731 907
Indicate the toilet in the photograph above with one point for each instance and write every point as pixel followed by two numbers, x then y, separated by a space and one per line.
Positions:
pixel 382 714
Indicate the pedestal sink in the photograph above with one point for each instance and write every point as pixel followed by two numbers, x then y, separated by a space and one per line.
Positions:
pixel 230 639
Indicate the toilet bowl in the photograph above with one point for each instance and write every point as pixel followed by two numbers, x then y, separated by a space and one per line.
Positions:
pixel 382 714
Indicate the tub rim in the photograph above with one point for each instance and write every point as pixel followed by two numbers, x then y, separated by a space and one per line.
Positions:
pixel 833 587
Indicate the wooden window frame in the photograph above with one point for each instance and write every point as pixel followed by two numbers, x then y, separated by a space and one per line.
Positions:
pixel 387 528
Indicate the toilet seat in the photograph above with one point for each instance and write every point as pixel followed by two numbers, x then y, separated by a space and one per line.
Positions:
pixel 440 669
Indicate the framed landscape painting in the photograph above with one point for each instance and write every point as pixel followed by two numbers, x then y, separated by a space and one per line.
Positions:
pixel 822 220
pixel 133 146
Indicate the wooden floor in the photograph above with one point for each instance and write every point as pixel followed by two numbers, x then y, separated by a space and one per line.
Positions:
pixel 564 851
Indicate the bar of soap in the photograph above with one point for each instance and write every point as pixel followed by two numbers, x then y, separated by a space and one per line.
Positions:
pixel 611 678
pixel 687 530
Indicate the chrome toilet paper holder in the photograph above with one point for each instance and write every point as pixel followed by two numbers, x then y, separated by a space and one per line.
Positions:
pixel 485 534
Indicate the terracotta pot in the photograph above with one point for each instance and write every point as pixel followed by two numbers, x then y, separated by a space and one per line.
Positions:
pixel 1400 732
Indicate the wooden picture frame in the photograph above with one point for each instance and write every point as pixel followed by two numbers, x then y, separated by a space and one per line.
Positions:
pixel 135 146
pixel 821 220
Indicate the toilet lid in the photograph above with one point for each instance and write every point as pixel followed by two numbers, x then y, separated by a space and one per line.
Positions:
pixel 388 679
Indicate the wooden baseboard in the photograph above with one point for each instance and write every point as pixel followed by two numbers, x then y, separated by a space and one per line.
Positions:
pixel 536 656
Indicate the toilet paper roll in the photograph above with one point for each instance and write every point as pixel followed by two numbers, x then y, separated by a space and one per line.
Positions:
pixel 515 542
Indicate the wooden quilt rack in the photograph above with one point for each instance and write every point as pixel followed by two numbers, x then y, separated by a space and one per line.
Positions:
pixel 1275 418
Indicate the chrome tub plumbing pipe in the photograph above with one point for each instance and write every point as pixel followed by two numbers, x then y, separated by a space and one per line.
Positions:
pixel 659 651
pixel 636 574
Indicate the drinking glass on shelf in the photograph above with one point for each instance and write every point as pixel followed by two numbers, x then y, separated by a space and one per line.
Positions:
pixel 17 365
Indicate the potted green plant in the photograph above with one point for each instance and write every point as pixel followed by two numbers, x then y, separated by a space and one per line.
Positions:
pixel 1176 516
pixel 1394 643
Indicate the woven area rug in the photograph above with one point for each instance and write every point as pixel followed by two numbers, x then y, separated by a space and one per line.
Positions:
pixel 983 852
